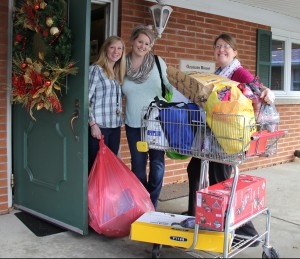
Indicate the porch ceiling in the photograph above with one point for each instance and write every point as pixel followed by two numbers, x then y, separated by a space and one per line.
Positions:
pixel 288 7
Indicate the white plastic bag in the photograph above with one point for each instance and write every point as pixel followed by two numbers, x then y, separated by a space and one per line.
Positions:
pixel 154 134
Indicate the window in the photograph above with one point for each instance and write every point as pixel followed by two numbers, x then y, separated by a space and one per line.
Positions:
pixel 285 68
pixel 277 68
pixel 295 73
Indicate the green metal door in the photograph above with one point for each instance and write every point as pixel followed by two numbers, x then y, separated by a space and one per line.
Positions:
pixel 50 154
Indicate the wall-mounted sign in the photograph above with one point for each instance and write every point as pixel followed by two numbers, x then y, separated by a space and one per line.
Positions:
pixel 196 65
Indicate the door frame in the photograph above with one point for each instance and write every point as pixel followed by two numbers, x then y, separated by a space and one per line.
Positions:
pixel 112 21
pixel 9 106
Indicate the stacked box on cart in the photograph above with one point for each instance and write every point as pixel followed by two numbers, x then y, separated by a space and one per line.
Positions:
pixel 194 85
pixel 212 202
pixel 168 229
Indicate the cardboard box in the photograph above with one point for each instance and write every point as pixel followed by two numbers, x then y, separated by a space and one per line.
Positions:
pixel 212 202
pixel 166 229
pixel 196 86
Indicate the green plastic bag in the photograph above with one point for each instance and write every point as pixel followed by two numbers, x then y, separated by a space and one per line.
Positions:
pixel 177 156
pixel 168 96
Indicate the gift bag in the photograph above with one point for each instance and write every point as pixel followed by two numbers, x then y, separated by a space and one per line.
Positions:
pixel 116 198
pixel 230 116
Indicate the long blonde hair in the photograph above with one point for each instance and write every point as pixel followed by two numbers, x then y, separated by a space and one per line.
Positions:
pixel 120 65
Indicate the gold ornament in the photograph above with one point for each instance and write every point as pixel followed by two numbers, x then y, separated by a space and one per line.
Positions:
pixel 49 21
pixel 43 5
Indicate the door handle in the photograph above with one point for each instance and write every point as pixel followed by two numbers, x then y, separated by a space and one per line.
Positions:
pixel 74 117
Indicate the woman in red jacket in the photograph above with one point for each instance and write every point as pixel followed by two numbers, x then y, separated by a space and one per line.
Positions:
pixel 225 52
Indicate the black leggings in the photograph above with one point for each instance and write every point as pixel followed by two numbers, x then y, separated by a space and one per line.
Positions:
pixel 217 173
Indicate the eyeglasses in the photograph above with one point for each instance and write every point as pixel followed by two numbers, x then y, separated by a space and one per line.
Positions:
pixel 225 46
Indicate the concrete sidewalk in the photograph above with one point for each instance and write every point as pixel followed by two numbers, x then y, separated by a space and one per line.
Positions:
pixel 283 200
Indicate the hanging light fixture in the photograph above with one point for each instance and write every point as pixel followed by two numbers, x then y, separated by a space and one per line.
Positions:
pixel 160 15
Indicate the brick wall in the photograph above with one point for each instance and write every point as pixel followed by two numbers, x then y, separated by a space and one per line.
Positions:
pixel 3 110
pixel 190 35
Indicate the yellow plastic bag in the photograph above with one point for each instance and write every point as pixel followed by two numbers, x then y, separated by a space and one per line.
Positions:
pixel 232 122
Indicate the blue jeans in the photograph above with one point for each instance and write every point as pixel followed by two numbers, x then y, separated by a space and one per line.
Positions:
pixel 139 164
pixel 112 137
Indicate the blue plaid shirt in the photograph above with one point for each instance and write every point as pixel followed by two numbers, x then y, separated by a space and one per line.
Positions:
pixel 105 98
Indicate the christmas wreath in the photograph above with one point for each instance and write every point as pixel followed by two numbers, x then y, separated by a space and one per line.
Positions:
pixel 41 55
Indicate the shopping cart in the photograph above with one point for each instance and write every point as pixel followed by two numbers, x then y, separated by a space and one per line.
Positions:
pixel 228 140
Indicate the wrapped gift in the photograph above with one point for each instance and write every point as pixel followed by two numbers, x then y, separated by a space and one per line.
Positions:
pixel 212 202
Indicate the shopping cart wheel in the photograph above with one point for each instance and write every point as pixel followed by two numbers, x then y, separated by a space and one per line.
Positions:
pixel 270 253
pixel 156 250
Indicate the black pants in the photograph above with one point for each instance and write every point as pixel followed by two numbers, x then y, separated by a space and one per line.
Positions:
pixel 112 138
pixel 217 173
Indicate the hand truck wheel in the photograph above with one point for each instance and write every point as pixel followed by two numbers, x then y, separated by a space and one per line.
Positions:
pixel 156 250
pixel 270 253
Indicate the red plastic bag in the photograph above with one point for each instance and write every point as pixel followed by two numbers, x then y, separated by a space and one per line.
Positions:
pixel 116 198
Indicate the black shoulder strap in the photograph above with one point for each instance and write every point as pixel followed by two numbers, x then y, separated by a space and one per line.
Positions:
pixel 163 87
pixel 163 104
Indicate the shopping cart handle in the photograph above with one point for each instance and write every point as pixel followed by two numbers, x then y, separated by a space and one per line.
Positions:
pixel 263 141
pixel 267 134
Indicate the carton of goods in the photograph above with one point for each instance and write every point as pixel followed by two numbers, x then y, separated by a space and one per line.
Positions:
pixel 196 86
pixel 212 202
pixel 167 229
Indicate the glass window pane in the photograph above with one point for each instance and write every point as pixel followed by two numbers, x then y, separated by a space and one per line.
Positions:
pixel 295 76
pixel 278 56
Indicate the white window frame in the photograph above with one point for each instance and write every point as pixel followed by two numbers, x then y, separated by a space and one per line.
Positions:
pixel 288 38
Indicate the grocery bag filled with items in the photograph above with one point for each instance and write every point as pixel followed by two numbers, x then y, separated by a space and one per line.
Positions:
pixel 235 113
